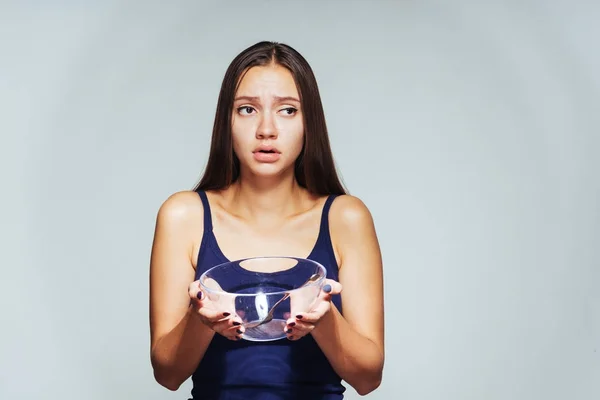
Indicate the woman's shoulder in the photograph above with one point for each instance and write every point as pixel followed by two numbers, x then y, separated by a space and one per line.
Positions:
pixel 348 211
pixel 181 208
pixel 352 228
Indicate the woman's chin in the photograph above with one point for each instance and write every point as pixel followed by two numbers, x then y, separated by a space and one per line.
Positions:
pixel 268 171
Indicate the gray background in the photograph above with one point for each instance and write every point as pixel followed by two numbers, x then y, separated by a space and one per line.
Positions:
pixel 469 128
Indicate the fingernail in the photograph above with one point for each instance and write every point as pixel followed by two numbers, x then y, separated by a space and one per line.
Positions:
pixel 292 324
pixel 226 314
pixel 298 316
pixel 239 331
pixel 199 295
pixel 288 331
pixel 236 323
pixel 327 288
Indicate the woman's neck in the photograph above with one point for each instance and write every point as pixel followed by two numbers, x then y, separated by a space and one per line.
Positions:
pixel 260 199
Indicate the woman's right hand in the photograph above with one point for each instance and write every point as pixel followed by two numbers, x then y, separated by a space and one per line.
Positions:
pixel 223 322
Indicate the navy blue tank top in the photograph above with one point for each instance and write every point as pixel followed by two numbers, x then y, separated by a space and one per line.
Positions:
pixel 277 370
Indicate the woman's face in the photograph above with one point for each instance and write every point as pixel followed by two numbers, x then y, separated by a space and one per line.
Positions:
pixel 267 123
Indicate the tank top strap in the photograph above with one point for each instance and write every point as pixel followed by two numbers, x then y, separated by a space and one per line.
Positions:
pixel 324 236
pixel 208 227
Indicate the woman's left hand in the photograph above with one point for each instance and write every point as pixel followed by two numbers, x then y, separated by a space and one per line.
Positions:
pixel 302 324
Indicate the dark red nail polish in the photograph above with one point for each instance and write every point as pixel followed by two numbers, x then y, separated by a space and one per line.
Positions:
pixel 298 316
pixel 199 295
pixel 235 323
pixel 291 324
pixel 288 331
pixel 226 314
pixel 239 331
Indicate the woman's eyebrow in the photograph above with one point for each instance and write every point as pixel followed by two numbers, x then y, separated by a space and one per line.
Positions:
pixel 279 99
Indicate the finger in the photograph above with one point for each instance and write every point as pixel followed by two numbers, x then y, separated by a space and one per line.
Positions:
pixel 332 287
pixel 235 332
pixel 236 320
pixel 290 332
pixel 316 314
pixel 290 322
pixel 226 323
pixel 229 328
pixel 329 289
pixel 294 337
pixel 297 327
pixel 194 291
pixel 299 330
pixel 221 326
pixel 211 315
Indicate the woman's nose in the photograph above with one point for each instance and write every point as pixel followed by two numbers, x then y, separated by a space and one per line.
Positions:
pixel 266 128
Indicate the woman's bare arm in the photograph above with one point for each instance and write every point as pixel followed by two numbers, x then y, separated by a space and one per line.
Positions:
pixel 178 337
pixel 354 343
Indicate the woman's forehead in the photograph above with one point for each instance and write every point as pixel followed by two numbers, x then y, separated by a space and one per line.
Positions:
pixel 267 82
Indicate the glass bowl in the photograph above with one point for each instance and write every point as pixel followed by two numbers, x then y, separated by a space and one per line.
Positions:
pixel 264 292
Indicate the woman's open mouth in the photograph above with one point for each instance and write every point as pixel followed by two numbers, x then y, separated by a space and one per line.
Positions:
pixel 266 154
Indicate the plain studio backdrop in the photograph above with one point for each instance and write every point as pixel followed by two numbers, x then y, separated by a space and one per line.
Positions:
pixel 469 128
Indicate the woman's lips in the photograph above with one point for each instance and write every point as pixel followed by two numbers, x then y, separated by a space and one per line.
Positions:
pixel 266 156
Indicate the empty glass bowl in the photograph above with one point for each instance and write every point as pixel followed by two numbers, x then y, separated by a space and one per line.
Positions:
pixel 264 292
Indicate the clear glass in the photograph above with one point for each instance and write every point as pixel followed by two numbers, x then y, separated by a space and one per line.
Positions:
pixel 264 292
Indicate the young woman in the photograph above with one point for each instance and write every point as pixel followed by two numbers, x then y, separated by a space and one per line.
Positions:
pixel 269 189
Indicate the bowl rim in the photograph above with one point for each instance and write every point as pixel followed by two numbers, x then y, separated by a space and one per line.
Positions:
pixel 318 282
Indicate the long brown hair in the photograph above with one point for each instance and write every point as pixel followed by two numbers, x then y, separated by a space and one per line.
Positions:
pixel 315 168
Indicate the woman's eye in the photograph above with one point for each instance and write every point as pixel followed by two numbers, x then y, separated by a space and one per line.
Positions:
pixel 289 111
pixel 245 110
